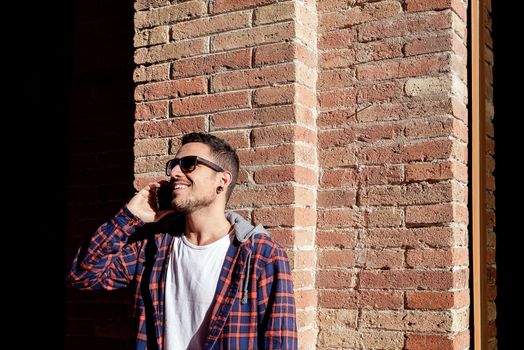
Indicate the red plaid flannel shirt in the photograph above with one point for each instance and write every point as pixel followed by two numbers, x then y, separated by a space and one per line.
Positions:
pixel 118 255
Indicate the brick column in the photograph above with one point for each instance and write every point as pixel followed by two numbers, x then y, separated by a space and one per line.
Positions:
pixel 392 220
pixel 245 71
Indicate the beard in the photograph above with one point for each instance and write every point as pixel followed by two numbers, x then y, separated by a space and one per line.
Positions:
pixel 190 205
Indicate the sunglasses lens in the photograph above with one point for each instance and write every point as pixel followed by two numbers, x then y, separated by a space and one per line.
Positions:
pixel 188 164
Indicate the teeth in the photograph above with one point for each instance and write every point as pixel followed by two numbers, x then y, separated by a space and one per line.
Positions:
pixel 180 186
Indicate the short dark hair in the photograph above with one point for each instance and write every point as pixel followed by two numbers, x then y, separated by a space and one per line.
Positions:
pixel 223 153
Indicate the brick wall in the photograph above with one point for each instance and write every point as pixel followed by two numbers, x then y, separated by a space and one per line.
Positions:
pixel 100 159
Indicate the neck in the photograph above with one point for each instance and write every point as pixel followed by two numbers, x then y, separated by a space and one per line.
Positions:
pixel 206 225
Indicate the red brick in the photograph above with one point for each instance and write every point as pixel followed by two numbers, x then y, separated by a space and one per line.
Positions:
pixel 339 178
pixel 274 95
pixel 302 259
pixel 335 137
pixel 380 91
pixel 152 73
pixel 339 238
pixel 337 39
pixel 305 298
pixel 421 151
pixel 438 5
pixel 413 279
pixel 377 132
pixel 212 63
pixel 274 53
pixel 306 97
pixel 281 11
pixel 171 89
pixel 420 237
pixel 436 126
pixel 338 59
pixel 169 127
pixel 380 259
pixel 148 4
pixel 253 36
pixel 345 217
pixel 436 213
pixel 236 138
pixel 379 50
pixel 336 198
pixel 277 174
pixel 336 258
pixel 336 279
pixel 429 44
pixel 171 51
pixel 336 5
pixel 151 164
pixel 437 300
pixel 380 175
pixel 286 217
pixel 356 15
pixel 253 117
pixel 262 196
pixel 332 79
pixel 283 154
pixel 416 193
pixel 437 257
pixel 437 342
pixel 337 157
pixel 142 180
pixel 210 103
pixel 338 98
pixel 280 134
pixel 228 5
pixel 440 63
pixel 234 80
pixel 169 14
pixel 436 171
pixel 404 25
pixel 153 110
pixel 384 217
pixel 353 299
pixel 210 25
pixel 150 147
pixel 303 279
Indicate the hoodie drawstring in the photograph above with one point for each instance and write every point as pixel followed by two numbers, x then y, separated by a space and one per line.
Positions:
pixel 246 275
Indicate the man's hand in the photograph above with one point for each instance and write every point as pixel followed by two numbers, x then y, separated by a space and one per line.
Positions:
pixel 143 204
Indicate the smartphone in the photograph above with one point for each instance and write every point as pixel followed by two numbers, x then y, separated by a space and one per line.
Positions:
pixel 164 196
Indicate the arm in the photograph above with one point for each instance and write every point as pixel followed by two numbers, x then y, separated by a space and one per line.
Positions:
pixel 278 328
pixel 107 262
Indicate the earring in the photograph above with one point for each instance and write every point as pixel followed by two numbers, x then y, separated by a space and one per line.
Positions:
pixel 219 189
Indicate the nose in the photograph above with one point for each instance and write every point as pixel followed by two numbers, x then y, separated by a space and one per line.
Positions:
pixel 176 171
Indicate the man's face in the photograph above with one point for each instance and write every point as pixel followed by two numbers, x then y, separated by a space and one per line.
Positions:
pixel 197 189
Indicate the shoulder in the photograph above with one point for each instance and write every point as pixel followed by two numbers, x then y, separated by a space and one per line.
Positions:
pixel 265 246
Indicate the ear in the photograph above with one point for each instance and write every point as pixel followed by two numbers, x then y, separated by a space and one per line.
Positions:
pixel 225 179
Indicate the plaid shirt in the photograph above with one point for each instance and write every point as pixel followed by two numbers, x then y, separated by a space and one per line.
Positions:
pixel 119 254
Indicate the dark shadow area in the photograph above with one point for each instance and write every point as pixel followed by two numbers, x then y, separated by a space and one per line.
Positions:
pixel 507 178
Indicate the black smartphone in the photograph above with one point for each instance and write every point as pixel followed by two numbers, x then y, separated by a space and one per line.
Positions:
pixel 164 196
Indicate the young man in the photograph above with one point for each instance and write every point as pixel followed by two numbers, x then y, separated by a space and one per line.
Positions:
pixel 205 278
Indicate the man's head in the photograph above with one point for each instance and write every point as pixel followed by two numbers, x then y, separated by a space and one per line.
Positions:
pixel 205 170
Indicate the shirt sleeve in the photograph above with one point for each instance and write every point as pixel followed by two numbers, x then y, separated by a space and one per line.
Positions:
pixel 106 261
pixel 277 327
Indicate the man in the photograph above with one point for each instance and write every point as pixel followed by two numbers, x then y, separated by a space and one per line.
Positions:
pixel 205 278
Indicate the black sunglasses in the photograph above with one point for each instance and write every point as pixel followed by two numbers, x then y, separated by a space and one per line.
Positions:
pixel 189 163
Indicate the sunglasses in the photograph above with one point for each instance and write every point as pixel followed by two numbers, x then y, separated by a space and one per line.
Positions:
pixel 189 163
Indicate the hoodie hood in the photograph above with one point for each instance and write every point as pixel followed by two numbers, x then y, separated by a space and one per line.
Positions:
pixel 243 228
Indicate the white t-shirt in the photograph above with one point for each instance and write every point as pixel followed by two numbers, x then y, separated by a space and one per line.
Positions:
pixel 191 281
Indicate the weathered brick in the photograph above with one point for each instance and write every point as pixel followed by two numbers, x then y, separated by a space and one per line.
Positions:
pixel 228 5
pixel 384 217
pixel 339 177
pixel 437 342
pixel 436 171
pixel 424 86
pixel 336 258
pixel 171 51
pixel 274 95
pixel 356 15
pixel 380 259
pixel 404 25
pixel 353 299
pixel 413 279
pixel 253 36
pixel 344 217
pixel 277 174
pixel 234 80
pixel 210 103
pixel 274 53
pixel 421 151
pixel 426 65
pixel 414 321
pixel 439 5
pixel 338 238
pixel 338 59
pixel 280 134
pixel 210 25
pixel 332 79
pixel 419 237
pixel 380 174
pixel 436 213
pixel 285 216
pixel 336 198
pixel 437 300
pixel 236 138
pixel 169 14
pixel 283 194
pixel 171 89
pixel 147 37
pixel 379 50
pixel 151 110
pixel 150 147
pixel 381 339
pixel 335 279
pixel 305 298
pixel 273 13
pixel 169 127
pixel 152 73
pixel 338 39
pixel 147 4
pixel 151 164
pixel 252 117
pixel 415 193
pixel 335 137
pixel 281 154
pixel 338 156
pixel 212 63
pixel 440 42
pixel 437 257
pixel 338 98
